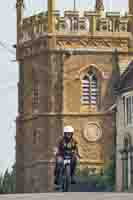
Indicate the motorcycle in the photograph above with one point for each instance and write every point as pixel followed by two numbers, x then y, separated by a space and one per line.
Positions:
pixel 65 175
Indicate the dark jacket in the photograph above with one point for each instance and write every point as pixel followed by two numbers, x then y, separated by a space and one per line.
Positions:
pixel 67 147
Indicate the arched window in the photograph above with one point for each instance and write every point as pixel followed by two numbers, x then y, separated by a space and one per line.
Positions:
pixel 89 89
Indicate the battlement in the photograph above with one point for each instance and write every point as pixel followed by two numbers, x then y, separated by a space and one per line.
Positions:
pixel 73 22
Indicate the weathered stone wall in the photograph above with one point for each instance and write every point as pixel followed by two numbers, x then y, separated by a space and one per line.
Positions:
pixel 59 104
pixel 59 76
pixel 40 131
pixel 41 135
pixel 39 151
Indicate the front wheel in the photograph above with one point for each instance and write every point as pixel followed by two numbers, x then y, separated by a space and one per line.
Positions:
pixel 67 179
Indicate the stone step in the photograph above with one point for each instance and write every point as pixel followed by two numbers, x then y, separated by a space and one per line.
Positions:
pixel 69 196
pixel 84 187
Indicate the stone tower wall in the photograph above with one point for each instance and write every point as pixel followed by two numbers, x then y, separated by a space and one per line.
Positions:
pixel 54 59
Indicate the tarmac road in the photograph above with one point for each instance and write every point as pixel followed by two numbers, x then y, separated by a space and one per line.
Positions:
pixel 69 196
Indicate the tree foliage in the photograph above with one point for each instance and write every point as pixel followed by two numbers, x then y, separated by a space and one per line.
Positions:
pixel 8 181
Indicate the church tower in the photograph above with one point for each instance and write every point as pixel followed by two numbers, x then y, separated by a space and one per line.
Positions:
pixel 68 68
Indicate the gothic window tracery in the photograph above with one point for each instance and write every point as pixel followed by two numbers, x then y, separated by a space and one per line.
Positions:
pixel 89 89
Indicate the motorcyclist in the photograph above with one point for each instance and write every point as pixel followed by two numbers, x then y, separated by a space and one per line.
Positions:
pixel 66 146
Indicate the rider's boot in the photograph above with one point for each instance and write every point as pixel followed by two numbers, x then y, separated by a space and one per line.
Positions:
pixel 57 175
pixel 73 181
pixel 56 179
pixel 56 182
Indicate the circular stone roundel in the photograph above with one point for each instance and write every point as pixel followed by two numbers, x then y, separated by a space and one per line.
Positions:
pixel 92 132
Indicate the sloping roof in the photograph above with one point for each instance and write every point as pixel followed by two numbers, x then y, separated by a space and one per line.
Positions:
pixel 125 75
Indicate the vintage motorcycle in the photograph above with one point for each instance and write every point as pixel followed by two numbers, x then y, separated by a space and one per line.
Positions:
pixel 65 175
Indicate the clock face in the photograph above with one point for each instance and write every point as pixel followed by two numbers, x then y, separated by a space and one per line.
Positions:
pixel 92 132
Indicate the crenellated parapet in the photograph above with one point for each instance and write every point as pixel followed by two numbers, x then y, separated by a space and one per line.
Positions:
pixel 72 22
pixel 114 22
pixel 33 27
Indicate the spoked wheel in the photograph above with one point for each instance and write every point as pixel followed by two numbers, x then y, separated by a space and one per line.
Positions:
pixel 67 179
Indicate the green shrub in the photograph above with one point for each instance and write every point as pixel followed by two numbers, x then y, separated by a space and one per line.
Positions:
pixel 105 179
pixel 8 182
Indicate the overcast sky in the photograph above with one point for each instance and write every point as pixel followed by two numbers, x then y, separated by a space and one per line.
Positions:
pixel 9 69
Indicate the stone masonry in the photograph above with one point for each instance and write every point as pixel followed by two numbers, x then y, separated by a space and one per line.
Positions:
pixel 54 54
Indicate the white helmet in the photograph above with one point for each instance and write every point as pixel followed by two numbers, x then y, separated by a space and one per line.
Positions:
pixel 68 129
